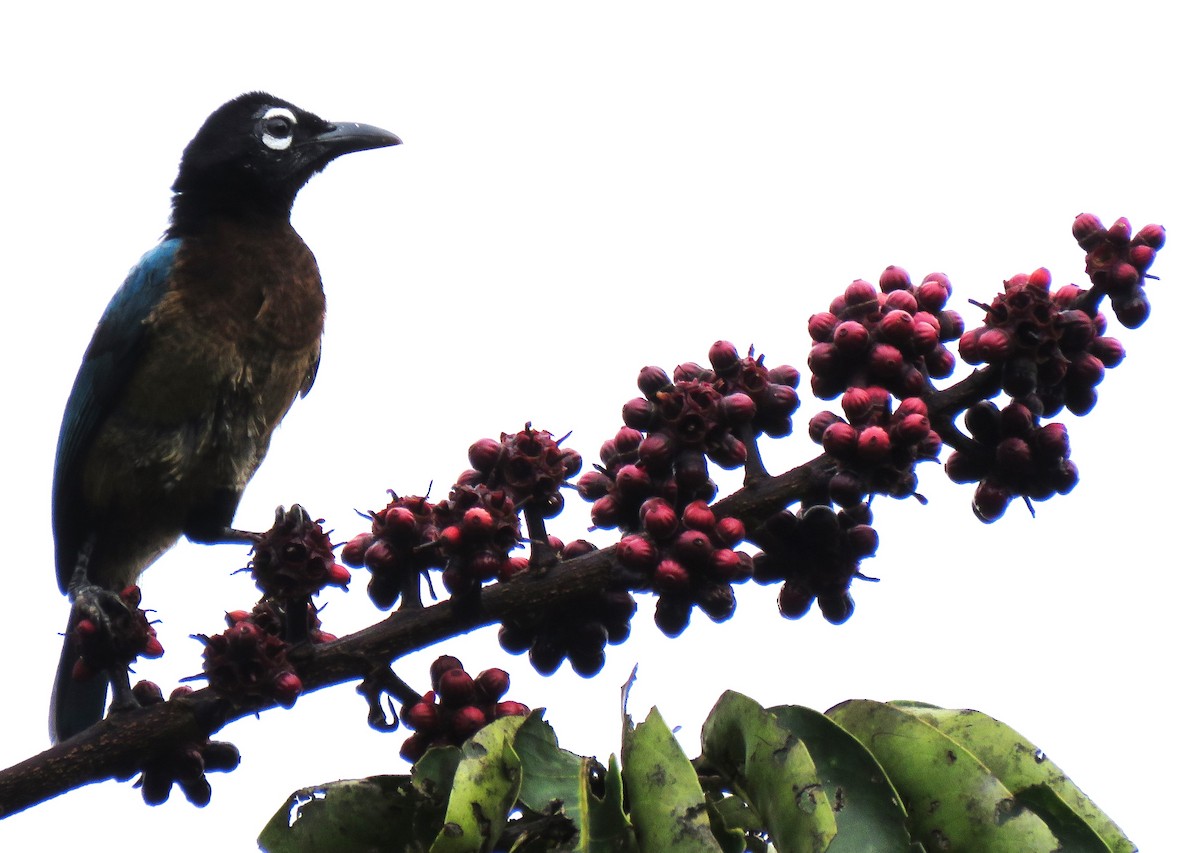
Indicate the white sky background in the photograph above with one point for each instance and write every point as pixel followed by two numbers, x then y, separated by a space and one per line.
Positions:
pixel 585 189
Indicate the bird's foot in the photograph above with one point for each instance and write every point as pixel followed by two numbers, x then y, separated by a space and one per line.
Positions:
pixel 109 630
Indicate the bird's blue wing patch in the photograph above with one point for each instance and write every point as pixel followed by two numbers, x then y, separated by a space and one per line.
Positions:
pixel 108 364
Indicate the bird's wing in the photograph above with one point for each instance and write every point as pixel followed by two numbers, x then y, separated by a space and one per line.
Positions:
pixel 108 364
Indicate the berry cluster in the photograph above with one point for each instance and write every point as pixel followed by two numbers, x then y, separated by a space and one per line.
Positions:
pixel 1011 455
pixel 294 559
pixel 702 410
pixel 876 448
pixel 1051 352
pixel 398 551
pixel 697 415
pixel 531 466
pixel 478 528
pixel 576 633
pixel 456 708
pixel 184 764
pixel 688 559
pixel 249 659
pixel 111 639
pixel 634 468
pixel 816 553
pixel 892 337
pixel 1117 263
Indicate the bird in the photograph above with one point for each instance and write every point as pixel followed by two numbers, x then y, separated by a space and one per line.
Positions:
pixel 200 353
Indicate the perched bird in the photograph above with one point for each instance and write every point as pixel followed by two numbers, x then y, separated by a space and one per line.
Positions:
pixel 194 363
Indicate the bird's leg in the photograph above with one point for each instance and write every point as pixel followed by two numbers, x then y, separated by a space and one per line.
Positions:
pixel 109 629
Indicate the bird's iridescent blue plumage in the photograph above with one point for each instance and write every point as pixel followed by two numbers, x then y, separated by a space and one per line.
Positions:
pixel 108 363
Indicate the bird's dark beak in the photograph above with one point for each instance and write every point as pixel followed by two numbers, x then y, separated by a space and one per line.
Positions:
pixel 345 137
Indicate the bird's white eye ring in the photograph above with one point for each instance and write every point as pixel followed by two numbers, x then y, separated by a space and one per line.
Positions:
pixel 277 125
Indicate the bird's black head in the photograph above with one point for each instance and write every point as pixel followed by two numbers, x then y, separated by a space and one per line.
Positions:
pixel 254 154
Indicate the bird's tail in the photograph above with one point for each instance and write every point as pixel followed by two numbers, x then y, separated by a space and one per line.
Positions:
pixel 74 705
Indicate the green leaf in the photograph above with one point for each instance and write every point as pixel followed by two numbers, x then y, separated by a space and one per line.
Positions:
pixel 954 802
pixel 1020 765
pixel 555 780
pixel 666 804
pixel 351 814
pixel 772 770
pixel 486 784
pixel 870 817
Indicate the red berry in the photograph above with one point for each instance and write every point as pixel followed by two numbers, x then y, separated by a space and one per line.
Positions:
pixel 492 683
pixel 860 294
pixel 730 530
pixel 840 439
pixel 1087 230
pixel 698 515
pixel 885 361
pixel 670 576
pixel 658 518
pixel 821 326
pixel 1153 236
pixel 874 445
pixel 354 552
pixel 651 380
pixel 422 717
pixel 724 358
pixel 637 552
pixel 850 336
pixel 467 720
pixel 455 687
pixel 857 403
pixel 287 688
pixel 894 279
pixel 484 454
pixel 511 709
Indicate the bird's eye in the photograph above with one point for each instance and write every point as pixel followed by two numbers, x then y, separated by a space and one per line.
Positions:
pixel 277 125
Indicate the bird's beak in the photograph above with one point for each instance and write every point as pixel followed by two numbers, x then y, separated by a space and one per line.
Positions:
pixel 345 137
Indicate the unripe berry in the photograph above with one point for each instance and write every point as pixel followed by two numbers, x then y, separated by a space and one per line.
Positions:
pixel 484 454
pixel 422 717
pixel 287 688
pixel 698 515
pixel 784 374
pixel 633 483
pixel 846 488
pixel 637 552
pixel 670 576
pixel 912 428
pixel 840 439
pixel 990 501
pixel 932 294
pixel 737 408
pixel 1153 236
pixel 511 709
pixel 724 358
pixel 1108 350
pixel 894 278
pixel 885 361
pixel 861 294
pixel 794 600
pixel 995 344
pixel 354 551
pixel 640 414
pixel 862 540
pixel 656 451
pixel 1087 230
pixel 901 300
pixel 819 423
pixel 658 518
pixel 836 608
pixel 651 380
pixel 491 684
pixel 455 687
pixel 874 445
pixel 821 326
pixel 467 720
pixel 693 549
pixel 857 404
pixel 730 530
pixel 850 337
pixel 939 362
